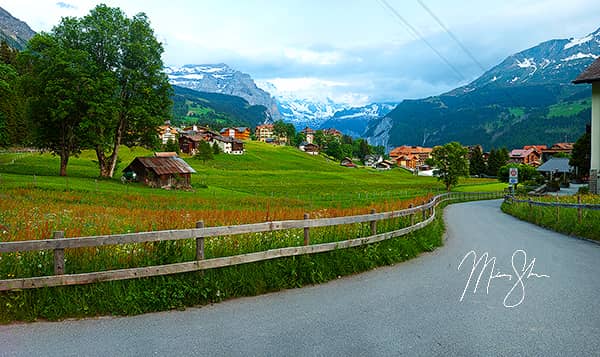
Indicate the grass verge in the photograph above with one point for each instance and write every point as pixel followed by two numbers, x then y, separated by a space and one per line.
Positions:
pixel 563 220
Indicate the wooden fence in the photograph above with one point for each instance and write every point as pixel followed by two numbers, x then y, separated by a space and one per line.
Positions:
pixel 558 205
pixel 58 243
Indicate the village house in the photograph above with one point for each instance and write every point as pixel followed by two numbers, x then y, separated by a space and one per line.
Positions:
pixel 528 157
pixel 240 133
pixel 188 143
pixel 410 157
pixel 160 171
pixel 558 148
pixel 309 148
pixel 166 133
pixel 264 132
pixel 591 75
pixel 347 162
pixel 309 134
pixel 333 132
pixel 229 145
pixel 372 160
pixel 384 165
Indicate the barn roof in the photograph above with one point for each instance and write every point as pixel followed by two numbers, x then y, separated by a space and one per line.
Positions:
pixel 164 165
pixel 590 75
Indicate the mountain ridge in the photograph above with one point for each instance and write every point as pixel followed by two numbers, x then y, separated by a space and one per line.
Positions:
pixel 14 31
pixel 220 78
pixel 514 103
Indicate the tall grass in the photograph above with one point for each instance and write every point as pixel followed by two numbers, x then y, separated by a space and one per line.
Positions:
pixel 563 220
pixel 178 291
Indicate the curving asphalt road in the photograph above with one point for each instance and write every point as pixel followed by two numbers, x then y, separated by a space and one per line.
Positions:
pixel 412 309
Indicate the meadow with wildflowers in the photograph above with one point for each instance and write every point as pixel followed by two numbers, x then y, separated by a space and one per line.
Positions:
pixel 267 183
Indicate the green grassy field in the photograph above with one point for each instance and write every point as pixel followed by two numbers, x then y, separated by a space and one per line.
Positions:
pixel 266 183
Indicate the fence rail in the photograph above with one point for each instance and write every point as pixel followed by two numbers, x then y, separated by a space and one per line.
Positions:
pixel 59 244
pixel 512 199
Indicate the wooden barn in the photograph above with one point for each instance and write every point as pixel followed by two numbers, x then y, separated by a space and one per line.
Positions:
pixel 161 171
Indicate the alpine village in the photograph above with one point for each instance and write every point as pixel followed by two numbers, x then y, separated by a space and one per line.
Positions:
pixel 131 186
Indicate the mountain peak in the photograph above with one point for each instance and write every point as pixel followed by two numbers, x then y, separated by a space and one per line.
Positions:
pixel 220 78
pixel 14 31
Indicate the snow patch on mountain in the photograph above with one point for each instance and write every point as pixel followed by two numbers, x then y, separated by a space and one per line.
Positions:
pixel 579 41
pixel 527 62
pixel 579 55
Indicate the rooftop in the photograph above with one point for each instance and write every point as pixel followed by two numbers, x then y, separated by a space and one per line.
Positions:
pixel 590 75
pixel 556 165
pixel 164 165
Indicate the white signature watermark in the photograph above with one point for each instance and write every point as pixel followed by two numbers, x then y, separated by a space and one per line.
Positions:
pixel 522 272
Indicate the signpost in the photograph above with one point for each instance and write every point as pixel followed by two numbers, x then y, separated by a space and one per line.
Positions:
pixel 513 175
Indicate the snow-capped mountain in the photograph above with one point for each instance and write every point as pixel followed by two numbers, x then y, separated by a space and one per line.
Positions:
pixel 302 111
pixel 220 78
pixel 527 98
pixel 558 61
pixel 354 121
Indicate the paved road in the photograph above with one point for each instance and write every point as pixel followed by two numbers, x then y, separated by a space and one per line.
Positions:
pixel 411 309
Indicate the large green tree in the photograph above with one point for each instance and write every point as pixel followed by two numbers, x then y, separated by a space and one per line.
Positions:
pixel 450 162
pixel 581 155
pixel 476 161
pixel 62 87
pixel 133 95
pixel 496 160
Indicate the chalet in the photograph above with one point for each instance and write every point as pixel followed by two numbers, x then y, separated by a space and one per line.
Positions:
pixel 240 133
pixel 333 132
pixel 528 157
pixel 309 134
pixel 229 145
pixel 372 160
pixel 188 143
pixel 347 162
pixel 309 148
pixel 537 148
pixel 161 171
pixel 558 148
pixel 264 132
pixel 410 157
pixel 384 165
pixel 408 161
pixel 592 76
pixel 166 133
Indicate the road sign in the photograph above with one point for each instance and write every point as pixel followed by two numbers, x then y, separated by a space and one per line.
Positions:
pixel 513 175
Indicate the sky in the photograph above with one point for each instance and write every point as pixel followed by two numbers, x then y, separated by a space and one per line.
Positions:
pixel 352 51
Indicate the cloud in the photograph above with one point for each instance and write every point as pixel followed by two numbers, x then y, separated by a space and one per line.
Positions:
pixel 64 5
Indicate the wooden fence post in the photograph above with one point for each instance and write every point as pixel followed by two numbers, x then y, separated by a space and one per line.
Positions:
pixel 412 216
pixel 306 231
pixel 373 224
pixel 59 255
pixel 579 212
pixel 424 211
pixel 200 242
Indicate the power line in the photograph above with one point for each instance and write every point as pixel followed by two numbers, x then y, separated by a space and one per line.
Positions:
pixel 462 46
pixel 417 34
pixel 451 34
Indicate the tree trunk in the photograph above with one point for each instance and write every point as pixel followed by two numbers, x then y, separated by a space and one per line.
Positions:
pixel 109 163
pixel 64 160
